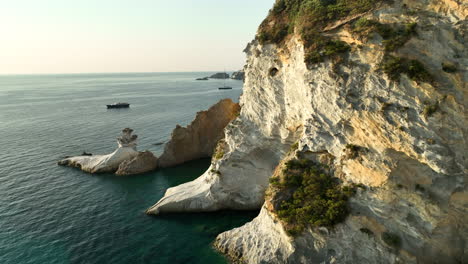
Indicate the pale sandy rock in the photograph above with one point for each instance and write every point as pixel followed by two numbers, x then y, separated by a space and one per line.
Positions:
pixel 199 139
pixel 109 163
pixel 142 163
pixel 415 165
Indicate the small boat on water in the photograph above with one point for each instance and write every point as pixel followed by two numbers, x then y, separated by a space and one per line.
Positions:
pixel 118 105
pixel 224 87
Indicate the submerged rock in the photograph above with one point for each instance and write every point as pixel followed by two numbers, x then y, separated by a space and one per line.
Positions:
pixel 110 163
pixel 202 79
pixel 199 139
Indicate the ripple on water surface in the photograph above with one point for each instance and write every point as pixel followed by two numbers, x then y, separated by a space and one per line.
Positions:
pixel 52 214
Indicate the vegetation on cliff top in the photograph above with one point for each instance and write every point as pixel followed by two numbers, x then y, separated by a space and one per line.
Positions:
pixel 394 37
pixel 394 66
pixel 309 18
pixel 317 199
pixel 219 152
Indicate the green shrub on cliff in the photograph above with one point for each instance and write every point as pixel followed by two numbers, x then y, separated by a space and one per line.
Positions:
pixel 309 18
pixel 394 66
pixel 391 239
pixel 449 67
pixel 218 152
pixel 317 198
pixel 394 36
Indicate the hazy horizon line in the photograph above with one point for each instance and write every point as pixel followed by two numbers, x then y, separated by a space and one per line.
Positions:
pixel 135 72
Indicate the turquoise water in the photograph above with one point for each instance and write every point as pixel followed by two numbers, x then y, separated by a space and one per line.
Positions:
pixel 52 214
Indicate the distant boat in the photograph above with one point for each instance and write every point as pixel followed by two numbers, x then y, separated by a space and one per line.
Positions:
pixel 118 105
pixel 224 86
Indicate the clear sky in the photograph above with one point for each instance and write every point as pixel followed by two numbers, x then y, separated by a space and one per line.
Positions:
pixel 79 36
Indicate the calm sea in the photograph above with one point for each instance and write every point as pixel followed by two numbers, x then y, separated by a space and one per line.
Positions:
pixel 52 214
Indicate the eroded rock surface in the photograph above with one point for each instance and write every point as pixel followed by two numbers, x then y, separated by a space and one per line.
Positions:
pixel 199 139
pixel 125 153
pixel 141 163
pixel 404 140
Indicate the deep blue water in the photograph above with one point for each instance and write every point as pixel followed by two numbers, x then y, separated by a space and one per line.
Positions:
pixel 52 214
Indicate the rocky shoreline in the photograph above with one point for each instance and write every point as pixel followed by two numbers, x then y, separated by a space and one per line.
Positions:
pixel 397 134
pixel 379 110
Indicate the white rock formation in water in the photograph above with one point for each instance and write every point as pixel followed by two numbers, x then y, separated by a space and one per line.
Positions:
pixel 108 163
pixel 414 169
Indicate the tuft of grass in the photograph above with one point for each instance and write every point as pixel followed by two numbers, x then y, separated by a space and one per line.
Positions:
pixel 430 109
pixel 395 36
pixel 294 147
pixel 219 155
pixel 391 239
pixel 275 181
pixel 366 231
pixel 219 150
pixel 354 151
pixel 317 199
pixel 395 66
pixel 449 67
pixel 419 187
pixel 216 171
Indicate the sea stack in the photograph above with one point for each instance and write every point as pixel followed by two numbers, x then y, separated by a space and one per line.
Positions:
pixel 125 154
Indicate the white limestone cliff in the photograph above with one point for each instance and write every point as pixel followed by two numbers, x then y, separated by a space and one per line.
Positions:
pixel 109 163
pixel 414 169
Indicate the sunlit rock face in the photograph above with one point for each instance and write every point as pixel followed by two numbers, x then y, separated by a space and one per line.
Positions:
pixel 142 163
pixel 126 152
pixel 414 166
pixel 199 139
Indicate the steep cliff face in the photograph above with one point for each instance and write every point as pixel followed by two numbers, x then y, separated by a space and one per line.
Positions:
pixel 389 118
pixel 199 139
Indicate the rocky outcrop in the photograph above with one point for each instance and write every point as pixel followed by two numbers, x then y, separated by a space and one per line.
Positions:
pixel 220 75
pixel 125 153
pixel 402 138
pixel 142 163
pixel 199 139
pixel 239 75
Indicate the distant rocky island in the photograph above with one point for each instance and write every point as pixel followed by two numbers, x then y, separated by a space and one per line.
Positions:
pixel 350 138
pixel 238 75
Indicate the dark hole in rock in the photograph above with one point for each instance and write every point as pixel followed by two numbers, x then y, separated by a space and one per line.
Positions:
pixel 273 71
